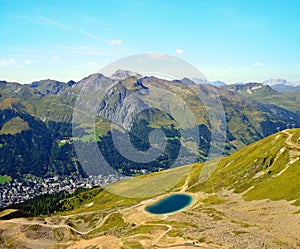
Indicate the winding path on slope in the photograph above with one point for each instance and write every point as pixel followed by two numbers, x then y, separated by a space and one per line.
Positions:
pixel 171 246
pixel 53 226
pixel 289 141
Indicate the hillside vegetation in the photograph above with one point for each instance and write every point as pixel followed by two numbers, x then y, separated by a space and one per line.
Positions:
pixel 267 169
pixel 245 200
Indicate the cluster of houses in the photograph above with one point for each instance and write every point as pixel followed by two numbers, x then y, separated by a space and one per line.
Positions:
pixel 17 191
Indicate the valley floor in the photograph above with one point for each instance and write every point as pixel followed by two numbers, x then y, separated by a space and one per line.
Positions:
pixel 227 222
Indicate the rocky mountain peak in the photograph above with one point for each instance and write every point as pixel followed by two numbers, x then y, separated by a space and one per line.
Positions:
pixel 272 82
pixel 124 74
pixel 187 81
pixel 218 83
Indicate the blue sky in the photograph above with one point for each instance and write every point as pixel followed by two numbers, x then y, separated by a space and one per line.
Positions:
pixel 227 40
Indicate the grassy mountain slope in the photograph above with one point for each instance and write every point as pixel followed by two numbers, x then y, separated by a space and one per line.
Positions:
pixel 44 87
pixel 29 146
pixel 267 169
pixel 286 88
pixel 14 126
pixel 7 102
pixel 269 95
pixel 220 216
pixel 289 101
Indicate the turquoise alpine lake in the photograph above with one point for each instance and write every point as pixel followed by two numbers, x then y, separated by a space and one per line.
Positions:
pixel 170 204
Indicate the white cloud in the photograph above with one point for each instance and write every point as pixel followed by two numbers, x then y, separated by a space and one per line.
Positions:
pixel 298 65
pixel 116 42
pixel 55 57
pixel 27 62
pixel 7 62
pixel 257 64
pixel 179 51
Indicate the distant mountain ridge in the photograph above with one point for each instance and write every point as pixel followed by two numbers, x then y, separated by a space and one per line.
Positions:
pixel 249 113
pixel 204 81
pixel 251 88
pixel 287 88
pixel 46 87
pixel 272 82
pixel 282 85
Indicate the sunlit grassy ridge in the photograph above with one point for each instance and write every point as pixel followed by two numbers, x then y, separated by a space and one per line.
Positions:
pixel 100 198
pixel 267 169
pixel 152 184
pixel 296 136
pixel 289 101
pixel 14 126
pixel 7 102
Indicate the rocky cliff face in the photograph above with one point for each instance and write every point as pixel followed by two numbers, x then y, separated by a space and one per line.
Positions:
pixel 122 103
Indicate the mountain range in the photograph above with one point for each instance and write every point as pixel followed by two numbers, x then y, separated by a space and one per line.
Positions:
pixel 280 85
pixel 42 112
